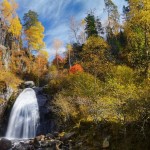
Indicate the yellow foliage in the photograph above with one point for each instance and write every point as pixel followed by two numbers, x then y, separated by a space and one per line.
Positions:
pixel 67 105
pixel 15 27
pixel 8 10
pixel 93 57
pixel 35 36
pixel 95 44
pixel 137 29
pixel 44 53
pixel 10 79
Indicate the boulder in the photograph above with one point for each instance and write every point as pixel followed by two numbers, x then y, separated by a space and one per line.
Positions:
pixel 106 143
pixel 49 136
pixel 54 144
pixel 36 143
pixel 29 84
pixel 5 144
pixel 42 138
pixel 38 138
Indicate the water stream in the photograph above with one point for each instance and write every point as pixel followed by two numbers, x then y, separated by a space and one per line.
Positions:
pixel 24 116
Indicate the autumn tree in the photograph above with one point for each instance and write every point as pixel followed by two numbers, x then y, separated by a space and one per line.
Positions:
pixel 8 10
pixel 94 58
pixel 40 67
pixel 114 33
pixel 73 54
pixel 82 34
pixel 69 48
pixel 34 36
pixel 57 45
pixel 137 29
pixel 12 23
pixel 74 28
pixel 34 31
pixel 113 18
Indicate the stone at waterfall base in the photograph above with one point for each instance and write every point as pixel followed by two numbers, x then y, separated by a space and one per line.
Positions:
pixel 60 141
pixel 106 143
pixel 53 141
pixel 5 144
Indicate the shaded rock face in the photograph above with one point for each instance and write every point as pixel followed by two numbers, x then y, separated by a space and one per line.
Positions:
pixel 5 96
pixel 5 144
pixel 46 123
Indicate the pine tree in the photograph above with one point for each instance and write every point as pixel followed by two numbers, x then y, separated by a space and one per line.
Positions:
pixel 91 28
pixel 30 19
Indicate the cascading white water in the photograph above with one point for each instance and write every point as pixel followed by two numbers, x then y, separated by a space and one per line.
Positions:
pixel 24 116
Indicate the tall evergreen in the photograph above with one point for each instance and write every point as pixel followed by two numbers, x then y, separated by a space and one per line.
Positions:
pixel 91 28
pixel 30 19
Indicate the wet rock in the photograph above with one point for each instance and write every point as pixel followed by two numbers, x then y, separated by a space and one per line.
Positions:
pixel 31 141
pixel 44 144
pixel 67 136
pixel 56 134
pixel 5 144
pixel 22 146
pixel 38 138
pixel 42 138
pixel 49 136
pixel 36 143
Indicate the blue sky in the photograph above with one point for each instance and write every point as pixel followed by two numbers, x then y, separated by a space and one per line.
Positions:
pixel 55 15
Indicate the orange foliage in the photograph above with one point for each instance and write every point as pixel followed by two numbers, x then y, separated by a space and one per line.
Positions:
pixel 40 67
pixel 76 68
pixel 28 66
pixel 23 63
pixel 20 62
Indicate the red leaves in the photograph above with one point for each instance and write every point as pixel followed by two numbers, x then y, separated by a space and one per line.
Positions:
pixel 58 59
pixel 76 68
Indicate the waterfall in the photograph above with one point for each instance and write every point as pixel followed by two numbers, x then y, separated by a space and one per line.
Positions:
pixel 24 116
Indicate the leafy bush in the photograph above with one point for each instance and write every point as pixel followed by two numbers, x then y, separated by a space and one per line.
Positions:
pixel 76 68
pixel 119 99
pixel 79 92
